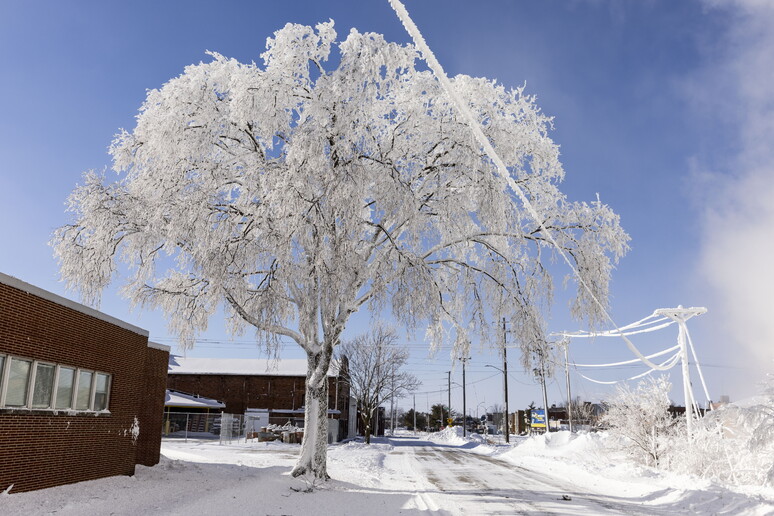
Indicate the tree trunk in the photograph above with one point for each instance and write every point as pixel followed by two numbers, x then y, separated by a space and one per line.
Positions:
pixel 314 447
pixel 367 425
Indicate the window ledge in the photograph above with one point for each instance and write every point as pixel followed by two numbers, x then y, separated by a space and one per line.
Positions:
pixel 53 412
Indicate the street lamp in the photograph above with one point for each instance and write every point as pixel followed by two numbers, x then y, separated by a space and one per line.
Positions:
pixel 506 425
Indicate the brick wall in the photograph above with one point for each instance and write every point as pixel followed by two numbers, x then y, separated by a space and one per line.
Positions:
pixel 240 392
pixel 152 405
pixel 42 449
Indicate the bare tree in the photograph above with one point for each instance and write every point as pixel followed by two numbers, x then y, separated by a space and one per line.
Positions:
pixel 296 193
pixel 374 375
pixel 583 412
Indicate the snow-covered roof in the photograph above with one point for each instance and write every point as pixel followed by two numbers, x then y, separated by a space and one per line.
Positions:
pixel 242 366
pixel 180 399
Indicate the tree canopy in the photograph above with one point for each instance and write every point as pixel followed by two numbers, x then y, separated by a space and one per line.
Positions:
pixel 297 192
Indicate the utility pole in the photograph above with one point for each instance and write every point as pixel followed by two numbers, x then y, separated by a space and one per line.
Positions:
pixel 505 381
pixel 448 407
pixel 392 404
pixel 680 315
pixel 415 414
pixel 464 400
pixel 567 381
pixel 541 353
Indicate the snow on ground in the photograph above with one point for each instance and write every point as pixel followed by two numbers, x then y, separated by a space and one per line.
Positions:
pixel 586 460
pixel 205 477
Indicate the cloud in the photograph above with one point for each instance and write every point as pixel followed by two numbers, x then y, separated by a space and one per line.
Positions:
pixel 736 260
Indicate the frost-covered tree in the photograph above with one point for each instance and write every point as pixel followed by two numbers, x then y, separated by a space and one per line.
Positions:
pixel 297 192
pixel 641 417
pixel 375 371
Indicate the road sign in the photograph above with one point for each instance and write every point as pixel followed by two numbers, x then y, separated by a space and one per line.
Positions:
pixel 538 418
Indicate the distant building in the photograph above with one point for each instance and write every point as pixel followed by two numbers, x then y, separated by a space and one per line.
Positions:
pixel 81 393
pixel 277 386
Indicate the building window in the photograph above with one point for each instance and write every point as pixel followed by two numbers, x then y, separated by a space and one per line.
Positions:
pixel 64 388
pixel 44 386
pixel 26 383
pixel 101 391
pixel 18 382
pixel 83 395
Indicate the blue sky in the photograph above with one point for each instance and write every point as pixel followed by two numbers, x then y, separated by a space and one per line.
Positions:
pixel 661 107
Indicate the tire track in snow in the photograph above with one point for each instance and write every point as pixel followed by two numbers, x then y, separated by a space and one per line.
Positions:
pixel 468 483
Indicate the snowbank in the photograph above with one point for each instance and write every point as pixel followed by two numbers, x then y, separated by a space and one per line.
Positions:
pixel 590 460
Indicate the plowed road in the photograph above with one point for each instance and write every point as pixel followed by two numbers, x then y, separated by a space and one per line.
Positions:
pixel 450 479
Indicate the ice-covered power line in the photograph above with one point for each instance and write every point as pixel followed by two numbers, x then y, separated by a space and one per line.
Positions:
pixel 668 364
pixel 612 364
pixel 680 316
pixel 501 169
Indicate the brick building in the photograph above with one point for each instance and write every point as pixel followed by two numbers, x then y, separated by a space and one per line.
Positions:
pixel 278 386
pixel 81 393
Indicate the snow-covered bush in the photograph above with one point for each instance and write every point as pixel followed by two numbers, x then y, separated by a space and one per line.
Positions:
pixel 731 445
pixel 640 417
pixel 734 444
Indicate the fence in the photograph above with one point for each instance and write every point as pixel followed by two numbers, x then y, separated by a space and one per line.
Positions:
pixel 221 426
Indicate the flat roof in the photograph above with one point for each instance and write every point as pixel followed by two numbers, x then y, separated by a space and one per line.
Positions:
pixel 181 399
pixel 242 366
pixel 50 296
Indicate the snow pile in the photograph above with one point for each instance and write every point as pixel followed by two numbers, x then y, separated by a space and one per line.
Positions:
pixel 597 463
pixel 731 445
pixel 736 444
pixel 359 463
pixel 449 435
pixel 564 444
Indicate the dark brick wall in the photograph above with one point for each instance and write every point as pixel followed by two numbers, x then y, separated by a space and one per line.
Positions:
pixel 152 405
pixel 240 392
pixel 44 449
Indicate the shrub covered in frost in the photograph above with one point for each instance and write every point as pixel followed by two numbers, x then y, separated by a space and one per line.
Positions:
pixel 640 417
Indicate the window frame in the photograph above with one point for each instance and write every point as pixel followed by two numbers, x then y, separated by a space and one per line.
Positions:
pixel 72 387
pixel 6 378
pixel 108 384
pixel 5 367
pixel 90 395
pixel 32 381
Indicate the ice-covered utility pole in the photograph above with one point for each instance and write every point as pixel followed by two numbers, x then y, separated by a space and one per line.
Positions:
pixel 680 315
pixel 566 344
pixel 652 323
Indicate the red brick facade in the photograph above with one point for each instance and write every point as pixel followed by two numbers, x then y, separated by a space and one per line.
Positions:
pixel 240 392
pixel 263 391
pixel 44 448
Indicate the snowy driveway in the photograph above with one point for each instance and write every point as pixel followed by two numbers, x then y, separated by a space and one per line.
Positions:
pixel 449 478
